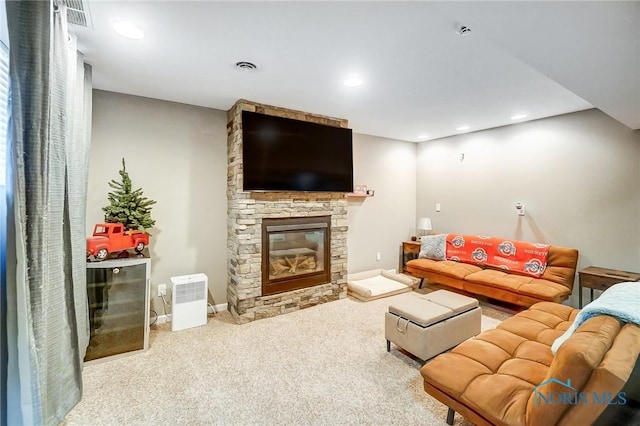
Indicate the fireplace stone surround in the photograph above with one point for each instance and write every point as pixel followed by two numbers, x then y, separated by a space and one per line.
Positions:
pixel 245 212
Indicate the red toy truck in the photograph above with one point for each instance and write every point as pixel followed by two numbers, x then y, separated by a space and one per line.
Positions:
pixel 112 237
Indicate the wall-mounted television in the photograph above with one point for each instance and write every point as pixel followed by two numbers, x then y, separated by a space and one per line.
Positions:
pixel 281 154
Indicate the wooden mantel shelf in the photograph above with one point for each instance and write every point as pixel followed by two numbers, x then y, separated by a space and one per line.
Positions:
pixel 358 195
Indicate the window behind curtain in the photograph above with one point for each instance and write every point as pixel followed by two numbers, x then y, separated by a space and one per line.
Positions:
pixel 4 122
pixel 4 110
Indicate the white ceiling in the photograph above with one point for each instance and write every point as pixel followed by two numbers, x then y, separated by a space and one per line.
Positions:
pixel 420 77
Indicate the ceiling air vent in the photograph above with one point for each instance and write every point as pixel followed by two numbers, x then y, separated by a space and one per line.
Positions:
pixel 247 66
pixel 77 14
pixel 462 30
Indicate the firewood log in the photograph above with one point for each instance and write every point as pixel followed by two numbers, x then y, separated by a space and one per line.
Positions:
pixel 278 267
pixel 306 263
pixel 293 264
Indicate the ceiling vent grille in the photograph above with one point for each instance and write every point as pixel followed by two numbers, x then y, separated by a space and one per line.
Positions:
pixel 463 30
pixel 76 12
pixel 245 65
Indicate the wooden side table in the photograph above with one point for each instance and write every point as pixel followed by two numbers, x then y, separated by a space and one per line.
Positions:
pixel 410 251
pixel 596 278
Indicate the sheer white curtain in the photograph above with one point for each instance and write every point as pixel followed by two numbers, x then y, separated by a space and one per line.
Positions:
pixel 4 122
pixel 46 288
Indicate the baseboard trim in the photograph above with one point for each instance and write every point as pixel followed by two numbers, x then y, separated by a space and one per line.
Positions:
pixel 218 308
pixel 163 318
pixel 210 310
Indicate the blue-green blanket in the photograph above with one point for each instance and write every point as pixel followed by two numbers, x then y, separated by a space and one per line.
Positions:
pixel 621 301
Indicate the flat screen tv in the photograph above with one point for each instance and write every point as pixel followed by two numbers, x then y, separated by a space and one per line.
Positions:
pixel 281 154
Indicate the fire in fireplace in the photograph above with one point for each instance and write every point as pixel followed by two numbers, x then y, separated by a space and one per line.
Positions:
pixel 295 253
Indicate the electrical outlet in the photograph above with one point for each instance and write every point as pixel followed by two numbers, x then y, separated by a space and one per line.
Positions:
pixel 378 257
pixel 162 290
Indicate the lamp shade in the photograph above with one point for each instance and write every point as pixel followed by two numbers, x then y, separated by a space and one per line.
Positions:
pixel 424 224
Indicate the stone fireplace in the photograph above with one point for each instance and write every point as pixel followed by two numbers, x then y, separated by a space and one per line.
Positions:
pixel 286 250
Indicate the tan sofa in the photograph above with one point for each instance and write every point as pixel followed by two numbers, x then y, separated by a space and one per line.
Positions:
pixel 555 284
pixel 495 377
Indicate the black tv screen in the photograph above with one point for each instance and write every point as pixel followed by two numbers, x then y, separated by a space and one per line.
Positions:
pixel 281 154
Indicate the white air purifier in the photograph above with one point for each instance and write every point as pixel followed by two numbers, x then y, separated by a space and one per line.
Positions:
pixel 189 301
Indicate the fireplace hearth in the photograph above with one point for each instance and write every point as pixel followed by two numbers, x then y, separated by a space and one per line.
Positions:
pixel 295 251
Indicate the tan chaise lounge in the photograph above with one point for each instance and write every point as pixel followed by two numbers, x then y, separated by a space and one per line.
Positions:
pixel 490 379
pixel 555 284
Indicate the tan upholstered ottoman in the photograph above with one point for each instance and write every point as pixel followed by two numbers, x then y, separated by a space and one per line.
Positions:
pixel 427 325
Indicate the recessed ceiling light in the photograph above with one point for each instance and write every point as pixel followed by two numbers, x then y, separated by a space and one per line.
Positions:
pixel 423 136
pixel 518 116
pixel 128 29
pixel 462 128
pixel 353 81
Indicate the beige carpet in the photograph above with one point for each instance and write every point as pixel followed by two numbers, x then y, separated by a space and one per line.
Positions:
pixel 323 365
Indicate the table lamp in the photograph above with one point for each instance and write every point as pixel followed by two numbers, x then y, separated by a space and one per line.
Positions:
pixel 424 224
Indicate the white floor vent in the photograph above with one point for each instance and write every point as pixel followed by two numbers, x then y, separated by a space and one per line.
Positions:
pixel 189 306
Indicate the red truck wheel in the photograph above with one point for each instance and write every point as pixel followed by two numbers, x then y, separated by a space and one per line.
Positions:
pixel 139 247
pixel 102 254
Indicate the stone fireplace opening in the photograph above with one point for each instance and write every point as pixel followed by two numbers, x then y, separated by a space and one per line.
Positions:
pixel 295 253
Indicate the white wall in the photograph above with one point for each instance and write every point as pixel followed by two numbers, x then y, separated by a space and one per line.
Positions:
pixel 380 223
pixel 177 154
pixel 578 176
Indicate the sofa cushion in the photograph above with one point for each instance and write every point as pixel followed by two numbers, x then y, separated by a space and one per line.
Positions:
pixel 495 372
pixel 544 322
pixel 498 279
pixel 561 266
pixel 619 370
pixel 463 373
pixel 448 268
pixel 535 287
pixel 575 361
pixel 545 290
pixel 500 396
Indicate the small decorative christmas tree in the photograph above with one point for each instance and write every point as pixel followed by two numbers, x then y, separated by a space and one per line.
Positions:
pixel 128 207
